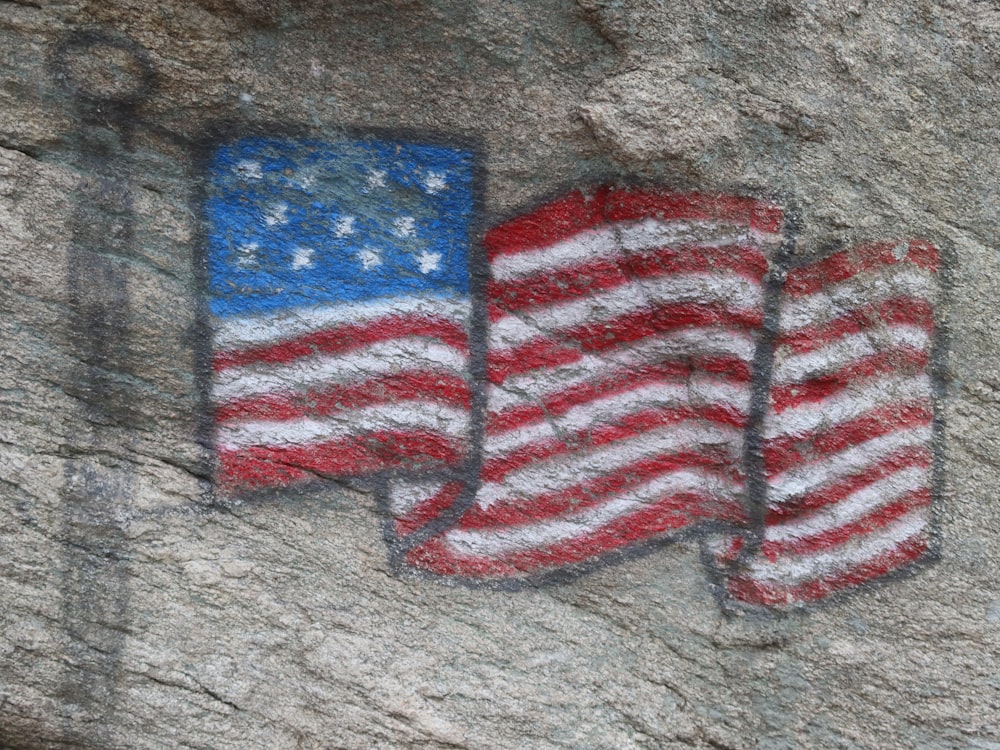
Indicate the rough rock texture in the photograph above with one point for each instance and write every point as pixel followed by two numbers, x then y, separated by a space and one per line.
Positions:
pixel 137 614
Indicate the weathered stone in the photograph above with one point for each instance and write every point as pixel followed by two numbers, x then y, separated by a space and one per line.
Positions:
pixel 143 609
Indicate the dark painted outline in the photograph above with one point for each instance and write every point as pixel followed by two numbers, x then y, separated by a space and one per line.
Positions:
pixel 938 372
pixel 783 260
pixel 781 263
pixel 92 104
pixel 763 365
pixel 228 131
pixel 566 573
pixel 95 588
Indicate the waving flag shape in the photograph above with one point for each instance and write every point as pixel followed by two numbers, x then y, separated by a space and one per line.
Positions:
pixel 619 366
pixel 339 294
pixel 848 438
pixel 638 366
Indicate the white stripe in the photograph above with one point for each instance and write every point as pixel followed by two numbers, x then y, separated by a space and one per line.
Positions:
pixel 847 349
pixel 652 233
pixel 611 409
pixel 381 358
pixel 494 542
pixel 807 477
pixel 734 293
pixel 851 554
pixel 511 331
pixel 849 403
pixel 405 496
pixel 501 444
pixel 589 244
pixel 720 545
pixel 830 302
pixel 855 506
pixel 605 242
pixel 538 384
pixel 287 324
pixel 699 390
pixel 400 415
pixel 565 470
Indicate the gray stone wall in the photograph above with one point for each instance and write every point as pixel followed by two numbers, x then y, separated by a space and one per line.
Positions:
pixel 142 609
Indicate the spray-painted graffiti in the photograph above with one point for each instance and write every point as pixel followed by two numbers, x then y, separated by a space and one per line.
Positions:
pixel 846 447
pixel 109 76
pixel 614 370
pixel 339 279
pixel 619 377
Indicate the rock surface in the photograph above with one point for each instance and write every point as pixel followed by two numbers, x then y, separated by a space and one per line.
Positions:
pixel 138 613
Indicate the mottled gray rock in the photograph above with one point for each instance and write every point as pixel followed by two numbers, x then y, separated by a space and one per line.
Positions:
pixel 140 614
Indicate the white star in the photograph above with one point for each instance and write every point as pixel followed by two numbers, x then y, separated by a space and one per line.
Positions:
pixel 246 255
pixel 435 182
pixel 250 170
pixel 306 183
pixel 344 226
pixel 376 178
pixel 370 258
pixel 276 214
pixel 304 180
pixel 405 226
pixel 428 261
pixel 302 258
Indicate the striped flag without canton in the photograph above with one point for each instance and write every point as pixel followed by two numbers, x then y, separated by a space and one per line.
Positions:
pixel 620 347
pixel 338 278
pixel 848 438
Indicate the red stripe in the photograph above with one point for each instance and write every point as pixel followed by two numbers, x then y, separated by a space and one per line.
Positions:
pixel 548 224
pixel 734 545
pixel 656 319
pixel 746 261
pixel 825 540
pixel 596 436
pixel 847 263
pixel 262 466
pixel 622 381
pixel 592 492
pixel 425 512
pixel 579 211
pixel 814 390
pixel 547 352
pixel 404 386
pixel 668 514
pixel 552 286
pixel 772 594
pixel 784 453
pixel 345 338
pixel 435 556
pixel 898 311
pixel 515 417
pixel 541 353
pixel 846 486
pixel 626 205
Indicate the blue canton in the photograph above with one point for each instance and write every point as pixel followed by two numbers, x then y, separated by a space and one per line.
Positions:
pixel 302 222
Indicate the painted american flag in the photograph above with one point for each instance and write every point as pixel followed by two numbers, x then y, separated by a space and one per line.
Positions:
pixel 338 295
pixel 849 434
pixel 622 334
pixel 632 373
